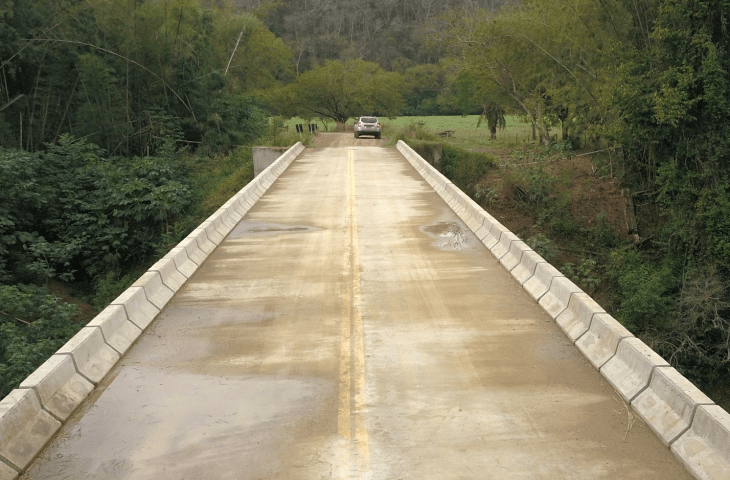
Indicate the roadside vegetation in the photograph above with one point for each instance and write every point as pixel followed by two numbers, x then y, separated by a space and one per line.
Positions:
pixel 570 208
pixel 123 123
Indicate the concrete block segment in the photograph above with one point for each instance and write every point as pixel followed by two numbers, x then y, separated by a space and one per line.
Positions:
pixel 601 340
pixel 460 204
pixel 220 224
pixel 260 190
pixel 557 298
pixel 513 256
pixel 248 198
pixel 92 356
pixel 7 473
pixel 495 233
pixel 194 252
pixel 118 331
pixel 476 212
pixel 228 222
pixel 171 276
pixel 439 188
pixel 60 388
pixel 668 404
pixel 211 231
pixel 156 291
pixel 25 427
pixel 140 310
pixel 501 248
pixel 204 243
pixel 705 448
pixel 471 216
pixel 183 263
pixel 237 203
pixel 526 268
pixel 249 193
pixel 629 371
pixel 264 181
pixel 575 320
pixel 232 210
pixel 483 230
pixel 539 283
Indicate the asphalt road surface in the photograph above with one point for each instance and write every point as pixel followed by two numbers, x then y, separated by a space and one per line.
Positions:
pixel 351 327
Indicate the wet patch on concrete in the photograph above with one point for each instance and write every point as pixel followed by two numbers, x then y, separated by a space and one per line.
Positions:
pixel 144 426
pixel 247 228
pixel 450 236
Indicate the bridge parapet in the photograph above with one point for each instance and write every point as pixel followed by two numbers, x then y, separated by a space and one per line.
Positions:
pixel 31 414
pixel 684 418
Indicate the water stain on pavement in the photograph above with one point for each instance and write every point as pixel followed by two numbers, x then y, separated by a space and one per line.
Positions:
pixel 248 228
pixel 449 236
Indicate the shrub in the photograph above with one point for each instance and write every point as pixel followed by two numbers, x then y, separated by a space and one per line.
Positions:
pixel 465 168
pixel 33 325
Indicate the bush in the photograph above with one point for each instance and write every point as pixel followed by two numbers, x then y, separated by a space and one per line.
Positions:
pixel 646 291
pixel 33 325
pixel 465 168
pixel 414 130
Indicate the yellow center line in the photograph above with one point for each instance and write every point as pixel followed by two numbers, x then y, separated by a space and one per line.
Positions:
pixel 352 390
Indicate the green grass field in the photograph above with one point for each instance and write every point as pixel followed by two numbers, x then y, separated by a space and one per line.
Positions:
pixel 466 133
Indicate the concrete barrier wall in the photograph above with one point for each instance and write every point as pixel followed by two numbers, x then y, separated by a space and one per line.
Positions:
pixel 31 414
pixel 684 418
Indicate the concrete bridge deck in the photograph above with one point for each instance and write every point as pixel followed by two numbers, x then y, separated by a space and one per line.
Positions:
pixel 351 326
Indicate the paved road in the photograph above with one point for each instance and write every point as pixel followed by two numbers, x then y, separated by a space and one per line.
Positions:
pixel 352 327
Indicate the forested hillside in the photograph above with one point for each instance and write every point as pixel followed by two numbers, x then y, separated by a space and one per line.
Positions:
pixel 113 112
pixel 394 34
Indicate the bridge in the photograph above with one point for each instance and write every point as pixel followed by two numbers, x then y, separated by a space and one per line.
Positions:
pixel 350 314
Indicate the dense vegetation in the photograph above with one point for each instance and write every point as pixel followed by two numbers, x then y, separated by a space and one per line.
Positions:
pixel 113 113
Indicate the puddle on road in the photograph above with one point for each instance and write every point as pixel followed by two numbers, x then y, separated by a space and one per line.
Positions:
pixel 248 228
pixel 449 236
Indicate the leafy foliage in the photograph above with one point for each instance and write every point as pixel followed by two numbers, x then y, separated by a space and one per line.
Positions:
pixel 33 325
pixel 72 213
pixel 342 90
pixel 119 71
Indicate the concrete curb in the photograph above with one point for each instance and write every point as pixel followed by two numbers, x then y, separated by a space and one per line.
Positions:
pixel 183 263
pixel 601 340
pixel 501 248
pixel 558 296
pixel 679 414
pixel 59 387
pixel 118 331
pixel 705 448
pixel 630 370
pixel 171 277
pixel 526 268
pixel 575 320
pixel 668 404
pixel 93 357
pixel 513 257
pixel 539 284
pixel 24 427
pixel 33 413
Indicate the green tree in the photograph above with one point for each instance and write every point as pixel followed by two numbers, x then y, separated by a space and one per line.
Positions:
pixel 342 90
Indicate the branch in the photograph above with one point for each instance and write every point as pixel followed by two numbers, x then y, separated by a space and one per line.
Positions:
pixel 234 50
pixel 12 101
pixel 111 52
